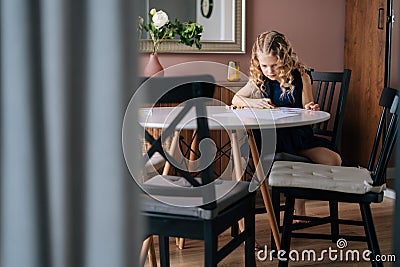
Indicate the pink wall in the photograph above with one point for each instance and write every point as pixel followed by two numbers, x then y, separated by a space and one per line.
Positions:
pixel 314 27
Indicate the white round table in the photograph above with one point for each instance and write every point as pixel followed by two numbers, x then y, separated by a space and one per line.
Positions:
pixel 221 118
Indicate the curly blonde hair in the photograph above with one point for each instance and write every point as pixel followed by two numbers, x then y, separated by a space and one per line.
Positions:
pixel 276 44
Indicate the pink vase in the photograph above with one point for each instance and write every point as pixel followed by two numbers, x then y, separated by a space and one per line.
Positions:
pixel 153 67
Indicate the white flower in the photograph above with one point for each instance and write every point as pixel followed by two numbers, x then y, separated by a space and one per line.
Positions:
pixel 160 19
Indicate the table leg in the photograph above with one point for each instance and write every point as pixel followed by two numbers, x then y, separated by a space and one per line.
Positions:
pixel 173 147
pixel 193 149
pixel 180 242
pixel 237 164
pixel 236 155
pixel 148 248
pixel 264 190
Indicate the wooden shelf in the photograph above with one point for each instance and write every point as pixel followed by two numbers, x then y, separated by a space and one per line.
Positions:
pixel 235 86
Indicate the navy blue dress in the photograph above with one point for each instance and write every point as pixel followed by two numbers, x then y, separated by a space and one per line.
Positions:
pixel 294 139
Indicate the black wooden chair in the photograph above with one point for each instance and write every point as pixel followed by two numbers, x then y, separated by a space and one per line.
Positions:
pixel 331 100
pixel 187 206
pixel 331 90
pixel 299 180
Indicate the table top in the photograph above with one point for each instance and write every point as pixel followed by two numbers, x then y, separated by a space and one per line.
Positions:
pixel 221 118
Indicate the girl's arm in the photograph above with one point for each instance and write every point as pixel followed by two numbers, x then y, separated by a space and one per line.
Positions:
pixel 248 96
pixel 307 95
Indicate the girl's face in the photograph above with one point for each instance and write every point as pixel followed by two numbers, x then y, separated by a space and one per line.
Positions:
pixel 269 66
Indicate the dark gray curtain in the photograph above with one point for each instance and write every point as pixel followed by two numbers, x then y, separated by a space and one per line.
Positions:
pixel 67 69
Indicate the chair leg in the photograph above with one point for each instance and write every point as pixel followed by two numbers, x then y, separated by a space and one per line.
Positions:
pixel 370 233
pixel 235 230
pixel 287 229
pixel 334 214
pixel 276 203
pixel 163 243
pixel 249 256
pixel 210 245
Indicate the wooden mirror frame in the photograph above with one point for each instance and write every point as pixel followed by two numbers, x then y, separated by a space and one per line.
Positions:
pixel 235 46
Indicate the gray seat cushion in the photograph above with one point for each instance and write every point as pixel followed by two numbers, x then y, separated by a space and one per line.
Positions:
pixel 317 176
pixel 227 193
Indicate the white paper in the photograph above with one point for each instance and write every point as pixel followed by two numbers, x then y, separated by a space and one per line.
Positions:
pixel 260 114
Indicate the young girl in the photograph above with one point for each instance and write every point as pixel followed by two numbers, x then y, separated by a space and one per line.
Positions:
pixel 278 78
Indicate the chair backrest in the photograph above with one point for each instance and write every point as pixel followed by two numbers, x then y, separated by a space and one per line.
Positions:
pixel 175 89
pixel 331 94
pixel 190 92
pixel 385 137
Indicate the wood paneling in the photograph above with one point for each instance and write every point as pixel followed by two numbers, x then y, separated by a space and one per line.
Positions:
pixel 364 54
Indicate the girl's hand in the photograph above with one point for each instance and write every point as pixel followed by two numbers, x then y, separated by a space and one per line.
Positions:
pixel 261 103
pixel 311 106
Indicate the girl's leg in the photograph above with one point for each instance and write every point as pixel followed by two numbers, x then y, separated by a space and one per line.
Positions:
pixel 322 155
pixel 319 155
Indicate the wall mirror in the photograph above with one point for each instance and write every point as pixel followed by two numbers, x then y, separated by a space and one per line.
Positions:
pixel 223 21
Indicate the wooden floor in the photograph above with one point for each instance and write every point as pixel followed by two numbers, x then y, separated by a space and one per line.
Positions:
pixel 192 254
